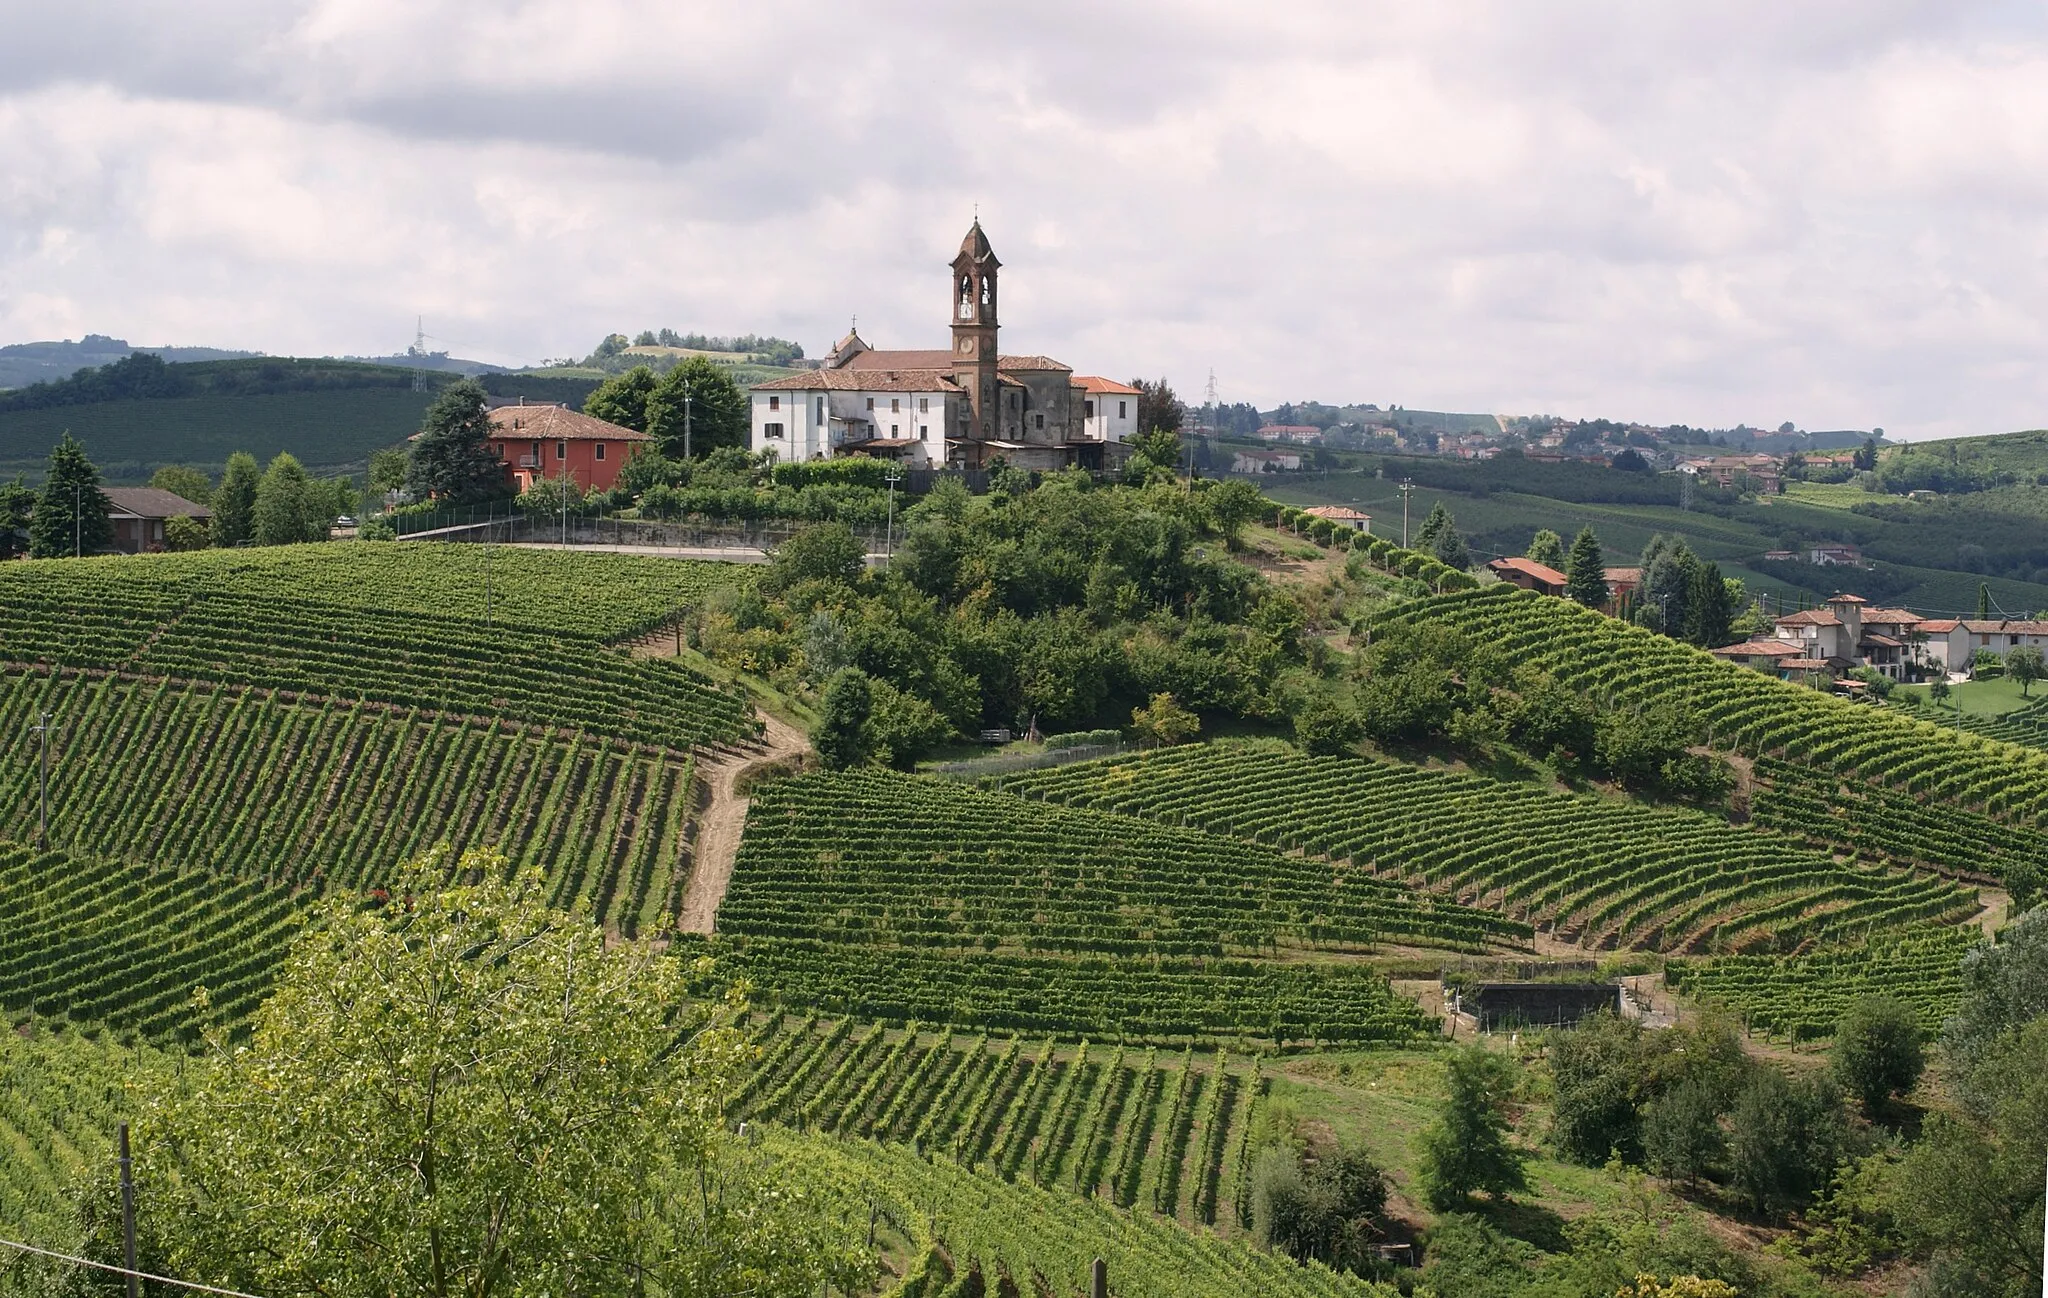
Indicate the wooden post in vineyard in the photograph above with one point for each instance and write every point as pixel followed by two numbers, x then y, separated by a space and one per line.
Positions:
pixel 128 1215
pixel 1098 1280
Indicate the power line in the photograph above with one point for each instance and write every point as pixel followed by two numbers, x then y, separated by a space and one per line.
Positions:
pixel 127 1271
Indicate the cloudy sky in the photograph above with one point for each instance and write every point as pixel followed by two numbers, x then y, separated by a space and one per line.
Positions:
pixel 1830 212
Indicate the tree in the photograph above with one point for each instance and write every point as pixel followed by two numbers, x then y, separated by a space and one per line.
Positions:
pixel 1327 729
pixel 1939 689
pixel 1668 584
pixel 1864 458
pixel 497 1099
pixel 1325 1205
pixel 1467 1149
pixel 183 532
pixel 452 458
pixel 1788 1136
pixel 1232 504
pixel 1435 525
pixel 622 400
pixel 1709 610
pixel 840 735
pixel 1164 721
pixel 716 409
pixel 71 514
pixel 1586 575
pixel 234 504
pixel 2025 665
pixel 1449 548
pixel 284 505
pixel 820 552
pixel 17 507
pixel 1877 1051
pixel 1983 601
pixel 1154 448
pixel 1599 1071
pixel 184 482
pixel 1547 548
pixel 387 472
pixel 1159 410
pixel 1682 1132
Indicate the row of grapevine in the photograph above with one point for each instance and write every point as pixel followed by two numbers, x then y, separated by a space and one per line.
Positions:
pixel 1804 997
pixel 61 1096
pixel 1044 1240
pixel 1745 710
pixel 611 596
pixel 1378 550
pixel 126 946
pixel 1141 998
pixel 874 857
pixel 2026 726
pixel 1600 871
pixel 320 792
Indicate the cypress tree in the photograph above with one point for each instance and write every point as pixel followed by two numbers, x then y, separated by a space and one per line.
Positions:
pixel 71 514
pixel 1586 576
pixel 234 502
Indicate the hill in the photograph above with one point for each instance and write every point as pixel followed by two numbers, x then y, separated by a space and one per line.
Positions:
pixel 139 413
pixel 22 364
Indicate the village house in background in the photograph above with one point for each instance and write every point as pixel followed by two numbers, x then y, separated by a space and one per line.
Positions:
pixel 964 406
pixel 139 514
pixel 1264 462
pixel 1528 574
pixel 535 442
pixel 1847 633
pixel 1342 516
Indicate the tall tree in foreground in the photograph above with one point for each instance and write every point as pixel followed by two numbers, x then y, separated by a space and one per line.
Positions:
pixel 622 399
pixel 1585 579
pixel 284 504
pixel 234 503
pixel 2025 665
pixel 1159 410
pixel 1467 1150
pixel 71 514
pixel 468 1092
pixel 714 404
pixel 452 458
pixel 17 507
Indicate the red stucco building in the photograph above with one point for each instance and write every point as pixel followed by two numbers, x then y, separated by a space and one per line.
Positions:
pixel 552 441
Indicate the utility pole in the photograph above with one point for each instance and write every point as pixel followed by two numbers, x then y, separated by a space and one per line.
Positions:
pixel 128 1214
pixel 43 783
pixel 892 477
pixel 1406 487
pixel 689 399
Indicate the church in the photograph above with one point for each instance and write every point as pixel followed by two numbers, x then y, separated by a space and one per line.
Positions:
pixel 961 407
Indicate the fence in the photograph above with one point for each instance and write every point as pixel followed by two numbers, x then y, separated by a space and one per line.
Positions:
pixel 600 529
pixel 1010 763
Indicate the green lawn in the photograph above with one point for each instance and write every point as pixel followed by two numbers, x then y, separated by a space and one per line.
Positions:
pixel 1991 698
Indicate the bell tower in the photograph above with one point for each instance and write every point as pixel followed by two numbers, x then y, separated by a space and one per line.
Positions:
pixel 974 332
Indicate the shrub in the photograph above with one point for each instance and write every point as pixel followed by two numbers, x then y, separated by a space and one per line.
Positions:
pixel 1878 1051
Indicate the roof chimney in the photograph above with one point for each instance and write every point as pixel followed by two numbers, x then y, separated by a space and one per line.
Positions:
pixel 522 400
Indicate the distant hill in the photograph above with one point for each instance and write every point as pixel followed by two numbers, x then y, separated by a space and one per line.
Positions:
pixel 139 413
pixel 24 363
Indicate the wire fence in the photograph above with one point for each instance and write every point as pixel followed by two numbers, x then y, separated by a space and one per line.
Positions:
pixel 1010 763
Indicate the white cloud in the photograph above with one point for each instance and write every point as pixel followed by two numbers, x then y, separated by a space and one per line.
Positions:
pixel 1827 212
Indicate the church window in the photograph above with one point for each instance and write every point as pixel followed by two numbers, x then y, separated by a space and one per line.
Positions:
pixel 871 403
pixel 775 403
pixel 924 433
pixel 984 291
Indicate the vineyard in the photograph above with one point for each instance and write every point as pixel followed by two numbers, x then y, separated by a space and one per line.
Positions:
pixel 126 946
pixel 415 659
pixel 872 857
pixel 61 1095
pixel 1745 710
pixel 1133 999
pixel 588 594
pixel 1601 872
pixel 2026 726
pixel 320 793
pixel 1043 1239
pixel 1134 1128
pixel 1804 997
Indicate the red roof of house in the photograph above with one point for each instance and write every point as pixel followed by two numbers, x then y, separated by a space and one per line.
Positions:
pixel 558 424
pixel 152 502
pixel 1625 576
pixel 1983 626
pixel 1336 511
pixel 1528 567
pixel 1847 599
pixel 1760 649
pixel 1939 625
pixel 1096 385
pixel 1809 617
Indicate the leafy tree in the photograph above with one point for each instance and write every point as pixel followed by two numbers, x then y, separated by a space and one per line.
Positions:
pixel 1325 1205
pixel 451 458
pixel 2025 665
pixel 1157 448
pixel 1547 548
pixel 1600 1072
pixel 1467 1150
pixel 1159 410
pixel 701 393
pixel 71 514
pixel 1787 1138
pixel 1164 721
pixel 1877 1051
pixel 234 503
pixel 387 472
pixel 17 507
pixel 2004 987
pixel 1232 504
pixel 1449 548
pixel 1682 1131
pixel 184 482
pixel 820 552
pixel 1326 728
pixel 284 513
pixel 1939 690
pixel 468 1091
pixel 901 727
pixel 622 400
pixel 840 735
pixel 184 532
pixel 1586 573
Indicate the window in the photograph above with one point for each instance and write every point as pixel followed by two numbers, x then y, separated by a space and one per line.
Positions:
pixel 821 410
pixel 871 403
pixel 1041 421
pixel 775 403
pixel 771 430
pixel 561 450
pixel 894 429
pixel 600 450
pixel 894 405
pixel 924 432
pixel 1123 410
pixel 1013 401
pixel 1089 408
pixel 924 405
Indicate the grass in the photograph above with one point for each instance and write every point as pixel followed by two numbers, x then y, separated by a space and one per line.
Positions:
pixel 1986 698
pixel 1827 495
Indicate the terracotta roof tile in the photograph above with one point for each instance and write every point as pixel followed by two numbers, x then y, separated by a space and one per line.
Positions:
pixel 1528 567
pixel 558 424
pixel 1761 649
pixel 152 502
pixel 1096 385
pixel 1809 617
pixel 1031 363
pixel 853 379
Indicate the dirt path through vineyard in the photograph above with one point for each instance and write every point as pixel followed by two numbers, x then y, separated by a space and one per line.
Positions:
pixel 725 815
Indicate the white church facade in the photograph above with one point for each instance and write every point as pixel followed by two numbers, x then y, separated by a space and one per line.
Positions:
pixel 959 407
